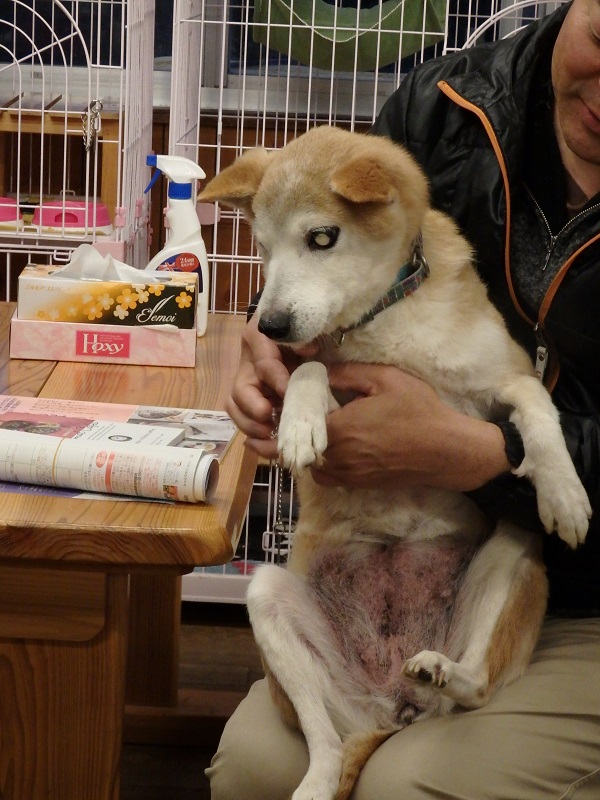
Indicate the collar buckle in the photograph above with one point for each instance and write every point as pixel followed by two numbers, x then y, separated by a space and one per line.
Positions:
pixel 418 256
pixel 338 337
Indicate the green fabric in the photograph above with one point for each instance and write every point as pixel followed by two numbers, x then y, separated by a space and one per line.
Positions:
pixel 335 34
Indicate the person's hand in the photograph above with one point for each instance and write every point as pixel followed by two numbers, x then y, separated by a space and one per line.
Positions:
pixel 258 389
pixel 398 432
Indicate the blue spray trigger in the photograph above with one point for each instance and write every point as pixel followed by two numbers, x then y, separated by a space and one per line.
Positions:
pixel 153 180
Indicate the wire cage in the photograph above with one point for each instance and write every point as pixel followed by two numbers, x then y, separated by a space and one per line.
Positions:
pixel 75 127
pixel 249 73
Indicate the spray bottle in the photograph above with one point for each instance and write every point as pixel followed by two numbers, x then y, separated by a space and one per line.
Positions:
pixel 185 250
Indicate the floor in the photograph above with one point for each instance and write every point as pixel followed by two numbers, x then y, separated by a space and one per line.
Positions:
pixel 217 652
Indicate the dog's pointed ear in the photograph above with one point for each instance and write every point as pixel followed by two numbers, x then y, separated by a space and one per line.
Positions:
pixel 236 185
pixel 380 177
pixel 364 180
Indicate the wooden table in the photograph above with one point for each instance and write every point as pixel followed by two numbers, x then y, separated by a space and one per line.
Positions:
pixel 90 589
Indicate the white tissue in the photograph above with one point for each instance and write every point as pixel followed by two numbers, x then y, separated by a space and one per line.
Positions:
pixel 87 264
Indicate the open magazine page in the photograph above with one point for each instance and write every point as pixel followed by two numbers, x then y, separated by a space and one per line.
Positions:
pixel 210 431
pixel 68 447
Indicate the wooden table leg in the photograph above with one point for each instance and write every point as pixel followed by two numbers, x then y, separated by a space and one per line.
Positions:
pixel 62 684
pixel 154 627
pixel 157 711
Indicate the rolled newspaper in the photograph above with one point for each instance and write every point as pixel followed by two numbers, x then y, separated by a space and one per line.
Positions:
pixel 158 472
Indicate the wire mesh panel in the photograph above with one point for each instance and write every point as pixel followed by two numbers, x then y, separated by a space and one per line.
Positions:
pixel 496 19
pixel 75 126
pixel 249 73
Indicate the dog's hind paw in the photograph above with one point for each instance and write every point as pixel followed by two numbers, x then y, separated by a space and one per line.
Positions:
pixel 312 793
pixel 429 667
pixel 318 784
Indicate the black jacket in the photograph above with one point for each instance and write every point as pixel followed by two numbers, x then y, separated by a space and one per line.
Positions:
pixel 467 119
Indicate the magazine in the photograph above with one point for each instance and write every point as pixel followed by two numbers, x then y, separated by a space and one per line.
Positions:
pixel 111 448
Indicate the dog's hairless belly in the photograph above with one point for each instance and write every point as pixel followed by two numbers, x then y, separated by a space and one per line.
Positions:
pixel 386 602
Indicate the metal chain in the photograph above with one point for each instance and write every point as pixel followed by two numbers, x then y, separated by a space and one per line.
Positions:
pixel 283 531
pixel 279 513
pixel 278 539
pixel 275 414
pixel 90 121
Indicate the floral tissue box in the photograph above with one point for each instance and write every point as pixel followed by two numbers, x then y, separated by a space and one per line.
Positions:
pixel 159 298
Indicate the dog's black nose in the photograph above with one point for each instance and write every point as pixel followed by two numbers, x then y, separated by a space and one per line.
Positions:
pixel 276 326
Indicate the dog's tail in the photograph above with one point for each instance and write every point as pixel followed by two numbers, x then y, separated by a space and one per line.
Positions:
pixel 357 749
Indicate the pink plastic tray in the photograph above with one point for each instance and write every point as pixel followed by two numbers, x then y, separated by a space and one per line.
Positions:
pixel 8 210
pixel 71 214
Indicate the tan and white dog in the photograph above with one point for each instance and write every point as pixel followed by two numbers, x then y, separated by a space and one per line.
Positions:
pixel 395 605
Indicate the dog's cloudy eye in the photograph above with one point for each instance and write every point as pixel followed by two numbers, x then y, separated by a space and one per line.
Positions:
pixel 323 238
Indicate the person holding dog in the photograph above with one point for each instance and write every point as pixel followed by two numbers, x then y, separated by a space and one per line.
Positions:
pixel 509 136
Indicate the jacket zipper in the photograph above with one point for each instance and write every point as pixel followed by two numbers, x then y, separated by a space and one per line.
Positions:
pixel 552 236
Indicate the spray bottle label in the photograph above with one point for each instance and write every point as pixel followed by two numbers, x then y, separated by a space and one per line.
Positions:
pixel 183 262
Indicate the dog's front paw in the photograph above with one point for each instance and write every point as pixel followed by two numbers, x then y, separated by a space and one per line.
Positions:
pixel 302 439
pixel 429 667
pixel 568 514
pixel 302 435
pixel 563 504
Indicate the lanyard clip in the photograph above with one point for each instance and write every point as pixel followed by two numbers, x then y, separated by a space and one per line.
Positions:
pixel 541 354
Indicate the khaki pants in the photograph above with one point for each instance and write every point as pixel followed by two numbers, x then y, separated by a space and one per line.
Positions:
pixel 538 739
